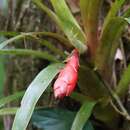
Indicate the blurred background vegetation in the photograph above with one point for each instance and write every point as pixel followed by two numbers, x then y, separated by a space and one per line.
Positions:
pixel 15 72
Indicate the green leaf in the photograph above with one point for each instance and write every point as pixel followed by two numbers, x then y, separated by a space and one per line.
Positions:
pixel 9 33
pixel 8 111
pixel 51 14
pixel 84 4
pixel 51 47
pixel 127 13
pixel 108 46
pixel 55 119
pixel 127 19
pixel 10 98
pixel 123 84
pixel 69 25
pixel 83 115
pixel 112 12
pixel 107 115
pixel 67 15
pixel 29 52
pixel 32 94
pixel 90 84
pixel 25 52
pixel 90 16
pixel 6 42
pixel 80 97
pixel 48 34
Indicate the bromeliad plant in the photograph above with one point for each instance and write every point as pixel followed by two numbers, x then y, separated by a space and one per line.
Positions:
pixel 97 95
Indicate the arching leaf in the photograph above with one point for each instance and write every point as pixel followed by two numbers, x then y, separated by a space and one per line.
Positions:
pixel 32 94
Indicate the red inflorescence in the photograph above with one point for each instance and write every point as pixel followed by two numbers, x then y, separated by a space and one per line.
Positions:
pixel 67 78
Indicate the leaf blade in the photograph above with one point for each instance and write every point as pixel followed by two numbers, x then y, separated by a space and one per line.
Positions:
pixel 8 111
pixel 90 15
pixel 112 12
pixel 10 98
pixel 71 29
pixel 83 115
pixel 33 93
pixel 69 25
pixel 29 52
pixel 55 119
pixel 90 84
pixel 108 46
pixel 123 84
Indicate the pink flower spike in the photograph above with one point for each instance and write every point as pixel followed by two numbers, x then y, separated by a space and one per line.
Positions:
pixel 68 76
